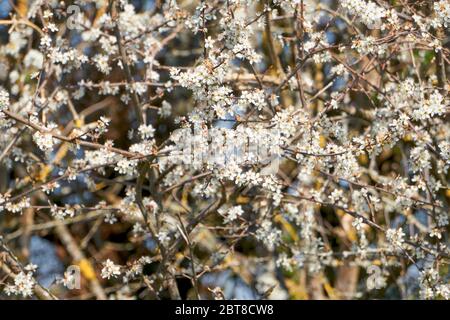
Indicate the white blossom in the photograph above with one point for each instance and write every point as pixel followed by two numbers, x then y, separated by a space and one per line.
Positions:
pixel 110 270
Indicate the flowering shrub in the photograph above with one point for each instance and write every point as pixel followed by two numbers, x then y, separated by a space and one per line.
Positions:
pixel 299 146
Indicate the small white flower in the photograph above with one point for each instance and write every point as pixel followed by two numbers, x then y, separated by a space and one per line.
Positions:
pixel 165 110
pixel 62 213
pixel 231 214
pixel 102 63
pixel 110 270
pixel 46 41
pixel 4 100
pixel 436 233
pixel 52 27
pixel 110 218
pixel 23 285
pixel 126 167
pixel 209 43
pixel 47 14
pixel 146 131
pixel 31 267
pixel 358 223
pixel 44 140
pixel 163 237
pixel 396 237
